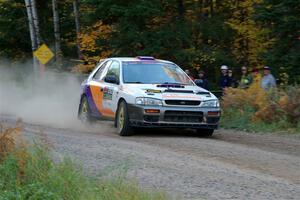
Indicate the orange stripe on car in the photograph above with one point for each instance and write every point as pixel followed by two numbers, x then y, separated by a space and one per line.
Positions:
pixel 98 100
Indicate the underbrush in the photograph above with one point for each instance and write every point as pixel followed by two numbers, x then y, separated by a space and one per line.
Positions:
pixel 255 110
pixel 242 120
pixel 28 172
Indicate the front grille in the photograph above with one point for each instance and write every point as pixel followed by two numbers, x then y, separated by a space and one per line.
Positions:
pixel 183 116
pixel 151 118
pixel 183 102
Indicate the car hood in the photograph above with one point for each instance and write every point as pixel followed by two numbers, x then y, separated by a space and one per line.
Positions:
pixel 168 91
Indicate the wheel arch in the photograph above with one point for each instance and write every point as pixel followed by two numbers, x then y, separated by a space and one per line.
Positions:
pixel 80 102
pixel 119 101
pixel 82 95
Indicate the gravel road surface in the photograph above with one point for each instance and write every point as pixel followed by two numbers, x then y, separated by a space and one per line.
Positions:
pixel 230 165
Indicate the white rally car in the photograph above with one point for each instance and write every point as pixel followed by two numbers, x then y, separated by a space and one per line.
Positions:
pixel 147 92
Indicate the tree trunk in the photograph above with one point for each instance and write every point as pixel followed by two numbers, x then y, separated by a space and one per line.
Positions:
pixel 77 24
pixel 204 12
pixel 211 5
pixel 33 38
pixel 58 53
pixel 36 22
pixel 180 7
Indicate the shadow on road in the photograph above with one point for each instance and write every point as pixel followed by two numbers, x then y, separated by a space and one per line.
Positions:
pixel 155 132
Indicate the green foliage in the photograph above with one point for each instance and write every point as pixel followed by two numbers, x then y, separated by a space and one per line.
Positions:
pixel 14 33
pixel 190 33
pixel 233 118
pixel 248 40
pixel 282 19
pixel 185 32
pixel 44 179
pixel 255 110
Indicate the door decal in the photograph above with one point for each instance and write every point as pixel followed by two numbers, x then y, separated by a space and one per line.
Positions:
pixel 97 97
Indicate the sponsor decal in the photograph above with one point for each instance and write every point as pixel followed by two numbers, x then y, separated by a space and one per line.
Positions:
pixel 152 91
pixel 107 93
pixel 182 102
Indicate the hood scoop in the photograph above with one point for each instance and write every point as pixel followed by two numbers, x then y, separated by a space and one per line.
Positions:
pixel 170 85
pixel 203 93
pixel 178 91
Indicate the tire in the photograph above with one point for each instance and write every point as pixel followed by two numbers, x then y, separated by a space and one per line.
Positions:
pixel 122 120
pixel 84 111
pixel 205 132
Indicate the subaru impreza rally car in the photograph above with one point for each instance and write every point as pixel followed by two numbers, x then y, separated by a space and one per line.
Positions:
pixel 147 92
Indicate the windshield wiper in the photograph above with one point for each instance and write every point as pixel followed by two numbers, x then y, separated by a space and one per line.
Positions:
pixel 137 82
pixel 168 84
pixel 174 83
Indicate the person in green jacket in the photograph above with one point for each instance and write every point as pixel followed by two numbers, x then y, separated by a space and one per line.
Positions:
pixel 246 79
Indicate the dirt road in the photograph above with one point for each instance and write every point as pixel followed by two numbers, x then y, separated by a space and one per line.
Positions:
pixel 230 165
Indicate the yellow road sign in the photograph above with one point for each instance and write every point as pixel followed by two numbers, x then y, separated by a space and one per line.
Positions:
pixel 43 54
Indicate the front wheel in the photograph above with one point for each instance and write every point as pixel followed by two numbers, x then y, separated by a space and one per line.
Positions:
pixel 205 132
pixel 122 120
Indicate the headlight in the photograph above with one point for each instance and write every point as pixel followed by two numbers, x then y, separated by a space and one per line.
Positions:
pixel 148 101
pixel 211 104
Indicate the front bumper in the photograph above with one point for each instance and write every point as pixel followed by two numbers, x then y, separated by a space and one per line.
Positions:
pixel 174 117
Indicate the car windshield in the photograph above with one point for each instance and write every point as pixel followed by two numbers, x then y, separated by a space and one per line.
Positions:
pixel 154 73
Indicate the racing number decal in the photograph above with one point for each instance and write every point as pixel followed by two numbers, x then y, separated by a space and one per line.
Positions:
pixel 98 97
pixel 181 96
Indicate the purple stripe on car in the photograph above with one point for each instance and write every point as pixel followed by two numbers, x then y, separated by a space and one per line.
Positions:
pixel 93 107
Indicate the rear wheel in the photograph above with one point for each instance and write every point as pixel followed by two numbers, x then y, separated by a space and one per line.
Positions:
pixel 205 132
pixel 122 120
pixel 84 111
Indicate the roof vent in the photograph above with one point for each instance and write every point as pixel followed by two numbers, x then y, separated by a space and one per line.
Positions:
pixel 145 58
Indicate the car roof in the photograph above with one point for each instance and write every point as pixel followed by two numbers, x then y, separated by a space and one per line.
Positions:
pixel 134 59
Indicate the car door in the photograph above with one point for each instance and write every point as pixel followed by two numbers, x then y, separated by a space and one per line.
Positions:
pixel 95 90
pixel 111 89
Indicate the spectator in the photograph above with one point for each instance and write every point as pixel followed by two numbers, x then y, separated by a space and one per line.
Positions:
pixel 268 81
pixel 255 76
pixel 232 80
pixel 255 73
pixel 224 79
pixel 246 79
pixel 202 81
pixel 189 74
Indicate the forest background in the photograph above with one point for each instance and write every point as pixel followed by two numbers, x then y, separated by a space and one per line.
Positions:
pixel 194 34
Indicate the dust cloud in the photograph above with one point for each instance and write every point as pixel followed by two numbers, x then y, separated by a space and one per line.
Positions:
pixel 51 99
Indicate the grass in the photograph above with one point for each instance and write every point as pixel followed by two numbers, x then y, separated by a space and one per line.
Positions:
pixel 242 120
pixel 28 172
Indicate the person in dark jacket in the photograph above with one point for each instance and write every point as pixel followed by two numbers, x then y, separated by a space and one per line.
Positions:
pixel 202 80
pixel 224 79
pixel 189 74
pixel 232 80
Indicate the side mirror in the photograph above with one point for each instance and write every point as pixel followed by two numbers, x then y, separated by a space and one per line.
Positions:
pixel 111 79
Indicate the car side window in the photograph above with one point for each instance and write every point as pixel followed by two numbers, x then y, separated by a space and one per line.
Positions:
pixel 114 69
pixel 100 71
